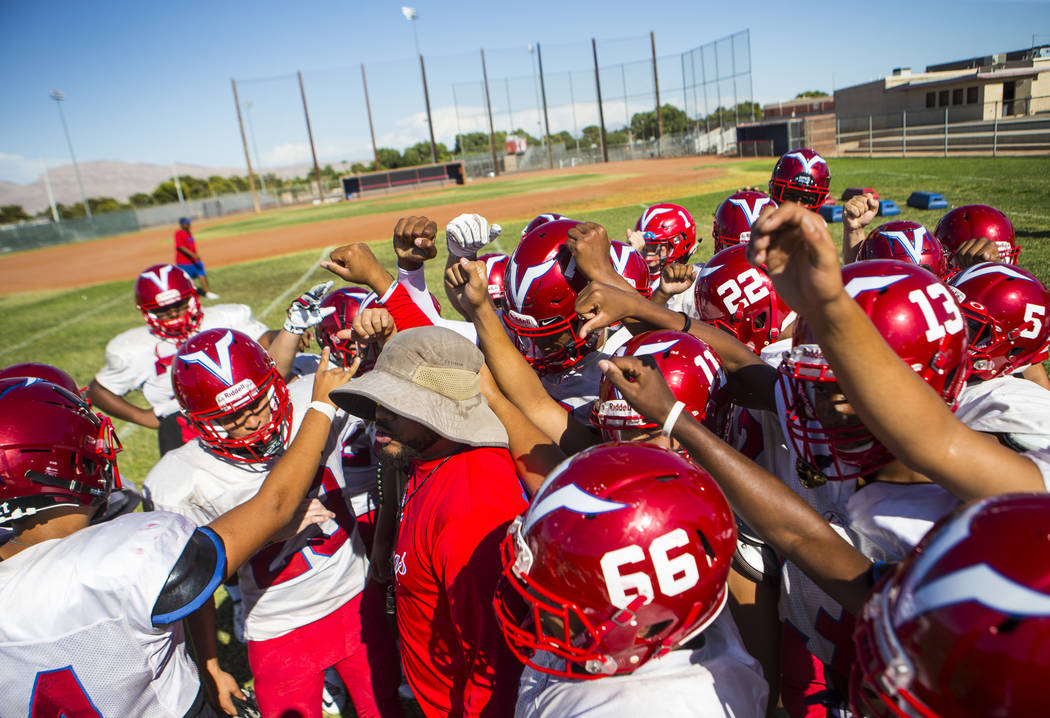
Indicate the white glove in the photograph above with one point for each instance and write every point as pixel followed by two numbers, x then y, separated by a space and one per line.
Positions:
pixel 468 233
pixel 306 311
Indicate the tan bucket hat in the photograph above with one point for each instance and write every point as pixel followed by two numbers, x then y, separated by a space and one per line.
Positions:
pixel 430 375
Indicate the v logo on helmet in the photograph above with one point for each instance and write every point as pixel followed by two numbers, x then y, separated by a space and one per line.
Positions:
pixel 751 212
pixel 519 288
pixel 911 240
pixel 858 285
pixel 982 584
pixel 709 269
pixel 980 270
pixel 221 366
pixel 654 348
pixel 161 280
pixel 570 497
pixel 650 214
pixel 807 162
pixel 619 256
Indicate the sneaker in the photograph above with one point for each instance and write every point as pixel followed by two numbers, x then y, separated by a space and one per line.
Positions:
pixel 211 295
pixel 334 697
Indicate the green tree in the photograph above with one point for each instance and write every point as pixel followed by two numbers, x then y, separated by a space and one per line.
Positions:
pixel 11 213
pixel 388 158
pixel 140 199
pixel 811 93
pixel 617 137
pixel 644 125
pixel 592 136
pixel 102 205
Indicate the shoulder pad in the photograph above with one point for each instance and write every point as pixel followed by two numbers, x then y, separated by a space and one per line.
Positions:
pixel 194 578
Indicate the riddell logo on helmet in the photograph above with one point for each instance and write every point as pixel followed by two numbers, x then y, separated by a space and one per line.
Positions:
pixel 237 395
pixel 168 296
pixel 523 319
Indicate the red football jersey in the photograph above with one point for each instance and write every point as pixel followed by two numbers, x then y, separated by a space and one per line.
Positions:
pixel 446 565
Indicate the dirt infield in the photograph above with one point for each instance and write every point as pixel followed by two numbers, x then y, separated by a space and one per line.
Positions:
pixel 116 258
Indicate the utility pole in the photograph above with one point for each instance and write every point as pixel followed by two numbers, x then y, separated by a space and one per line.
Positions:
pixel 601 112
pixel 368 109
pixel 247 155
pixel 488 106
pixel 546 119
pixel 51 197
pixel 310 134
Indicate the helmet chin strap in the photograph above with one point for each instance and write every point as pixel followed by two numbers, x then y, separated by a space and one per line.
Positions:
pixel 70 484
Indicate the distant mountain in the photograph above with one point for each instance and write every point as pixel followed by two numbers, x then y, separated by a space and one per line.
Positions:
pixel 119 180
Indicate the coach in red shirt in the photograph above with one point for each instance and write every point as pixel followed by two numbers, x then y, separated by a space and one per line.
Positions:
pixel 462 492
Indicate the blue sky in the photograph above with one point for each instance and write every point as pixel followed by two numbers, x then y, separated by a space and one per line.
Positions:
pixel 150 81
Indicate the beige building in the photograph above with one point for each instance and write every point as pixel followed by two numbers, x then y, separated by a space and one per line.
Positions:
pixel 1013 84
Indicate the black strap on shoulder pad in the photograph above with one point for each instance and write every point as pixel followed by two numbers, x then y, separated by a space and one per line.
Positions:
pixel 194 578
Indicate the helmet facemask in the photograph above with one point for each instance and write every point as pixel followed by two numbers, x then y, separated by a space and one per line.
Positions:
pixel 263 443
pixel 552 345
pixel 174 320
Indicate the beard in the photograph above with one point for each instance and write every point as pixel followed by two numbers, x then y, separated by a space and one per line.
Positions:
pixel 398 455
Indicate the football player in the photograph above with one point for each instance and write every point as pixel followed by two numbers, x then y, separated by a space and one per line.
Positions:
pixel 305 607
pixel 668 232
pixel 939 634
pixel 801 176
pixel 140 358
pixel 613 586
pixel 906 242
pixel 92 619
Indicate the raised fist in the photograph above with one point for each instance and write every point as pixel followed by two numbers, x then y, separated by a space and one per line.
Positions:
pixel 468 233
pixel 414 241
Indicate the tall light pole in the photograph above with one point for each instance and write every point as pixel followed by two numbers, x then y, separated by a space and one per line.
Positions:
pixel 411 15
pixel 58 96
pixel 255 147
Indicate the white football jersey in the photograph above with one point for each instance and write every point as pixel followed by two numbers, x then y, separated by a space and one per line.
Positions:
pixel 76 624
pixel 822 622
pixel 137 359
pixel 576 388
pixel 290 583
pixel 718 679
pixel 889 519
pixel 1018 408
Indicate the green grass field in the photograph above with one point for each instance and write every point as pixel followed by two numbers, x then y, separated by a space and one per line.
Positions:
pixel 70 328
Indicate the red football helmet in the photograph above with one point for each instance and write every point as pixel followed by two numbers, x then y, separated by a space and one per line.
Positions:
pixel 347 301
pixel 622 556
pixel 54 451
pixel 219 373
pixel 734 296
pixel 41 371
pixel 670 229
pixel 630 265
pixel 906 242
pixel 978 220
pixel 692 370
pixel 918 317
pixel 961 628
pixel 1005 307
pixel 800 176
pixel 159 290
pixel 541 219
pixel 496 268
pixel 734 217
pixel 540 309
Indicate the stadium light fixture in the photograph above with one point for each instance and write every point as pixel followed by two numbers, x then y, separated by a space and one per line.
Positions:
pixel 58 96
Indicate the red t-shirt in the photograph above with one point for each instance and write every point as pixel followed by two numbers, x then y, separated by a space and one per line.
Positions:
pixel 184 240
pixel 446 566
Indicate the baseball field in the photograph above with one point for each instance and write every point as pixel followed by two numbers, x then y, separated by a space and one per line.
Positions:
pixel 61 305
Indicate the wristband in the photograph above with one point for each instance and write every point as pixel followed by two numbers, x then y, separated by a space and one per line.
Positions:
pixel 688 322
pixel 323 407
pixel 672 417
